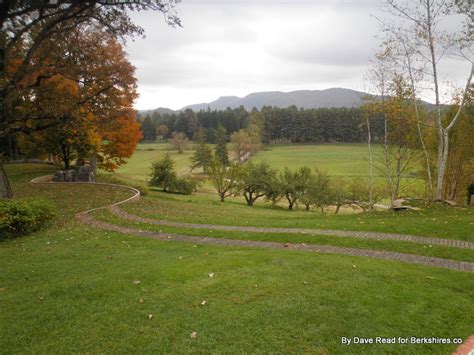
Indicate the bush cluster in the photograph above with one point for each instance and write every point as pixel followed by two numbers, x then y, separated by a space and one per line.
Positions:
pixel 19 217
pixel 163 176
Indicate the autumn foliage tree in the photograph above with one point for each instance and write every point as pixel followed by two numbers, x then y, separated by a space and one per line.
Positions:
pixel 27 26
pixel 94 96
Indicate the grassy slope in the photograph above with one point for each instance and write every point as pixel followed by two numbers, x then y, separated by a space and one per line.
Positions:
pixel 435 221
pixel 70 288
pixel 389 245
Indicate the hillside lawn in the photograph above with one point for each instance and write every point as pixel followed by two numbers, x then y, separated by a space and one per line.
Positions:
pixel 72 288
pixel 346 161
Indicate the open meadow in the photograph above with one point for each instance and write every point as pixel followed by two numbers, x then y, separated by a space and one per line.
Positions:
pixel 76 287
pixel 346 161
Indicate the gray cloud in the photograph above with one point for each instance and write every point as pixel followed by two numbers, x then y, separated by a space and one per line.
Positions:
pixel 240 46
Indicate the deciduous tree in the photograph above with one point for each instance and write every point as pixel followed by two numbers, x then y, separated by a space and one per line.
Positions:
pixel 179 141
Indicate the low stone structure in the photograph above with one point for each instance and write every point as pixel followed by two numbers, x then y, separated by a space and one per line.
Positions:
pixel 83 174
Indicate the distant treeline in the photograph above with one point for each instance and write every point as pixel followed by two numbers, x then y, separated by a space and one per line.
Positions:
pixel 278 125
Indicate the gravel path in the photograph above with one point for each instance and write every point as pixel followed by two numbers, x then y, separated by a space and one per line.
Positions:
pixel 86 218
pixel 334 233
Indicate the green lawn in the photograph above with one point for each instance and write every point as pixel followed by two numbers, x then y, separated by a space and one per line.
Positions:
pixel 137 169
pixel 348 160
pixel 432 220
pixel 339 160
pixel 71 287
pixel 388 245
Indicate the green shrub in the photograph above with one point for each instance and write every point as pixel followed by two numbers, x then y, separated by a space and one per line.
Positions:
pixel 163 174
pixel 185 186
pixel 18 217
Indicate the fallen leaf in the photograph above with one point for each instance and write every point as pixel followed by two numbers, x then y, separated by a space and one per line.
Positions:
pixel 193 335
pixel 140 300
pixel 180 257
pixel 354 266
pixel 203 303
pixel 211 275
pixel 150 316
pixel 137 282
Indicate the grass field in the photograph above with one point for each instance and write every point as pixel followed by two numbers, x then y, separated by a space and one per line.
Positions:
pixel 137 168
pixel 74 288
pixel 348 160
pixel 338 160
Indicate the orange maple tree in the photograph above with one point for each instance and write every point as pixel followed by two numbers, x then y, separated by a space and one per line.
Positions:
pixel 89 98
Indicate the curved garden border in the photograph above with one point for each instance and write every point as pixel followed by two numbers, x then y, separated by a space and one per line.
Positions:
pixel 376 254
pixel 328 232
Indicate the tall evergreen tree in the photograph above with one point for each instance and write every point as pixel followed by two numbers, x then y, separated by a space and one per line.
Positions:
pixel 148 129
pixel 202 153
pixel 221 146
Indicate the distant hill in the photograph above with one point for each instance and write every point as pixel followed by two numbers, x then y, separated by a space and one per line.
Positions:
pixel 162 110
pixel 335 97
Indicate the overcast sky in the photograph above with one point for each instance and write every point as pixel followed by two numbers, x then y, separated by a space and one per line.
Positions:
pixel 235 47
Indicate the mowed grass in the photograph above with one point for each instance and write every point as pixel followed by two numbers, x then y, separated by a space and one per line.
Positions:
pixel 74 288
pixel 347 160
pixel 137 169
pixel 425 249
pixel 432 220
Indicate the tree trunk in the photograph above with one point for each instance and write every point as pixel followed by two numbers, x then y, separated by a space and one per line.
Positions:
pixel 10 147
pixel 442 160
pixel 418 124
pixel 66 157
pixel 5 188
pixel 371 164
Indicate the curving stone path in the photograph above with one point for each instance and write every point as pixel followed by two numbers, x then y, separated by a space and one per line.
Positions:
pixel 86 218
pixel 329 232
pixel 376 254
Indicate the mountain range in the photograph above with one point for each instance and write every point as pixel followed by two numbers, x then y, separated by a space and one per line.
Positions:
pixel 334 97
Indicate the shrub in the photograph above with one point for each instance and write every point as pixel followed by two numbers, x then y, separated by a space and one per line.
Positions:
pixel 164 176
pixel 184 186
pixel 19 217
pixel 162 173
